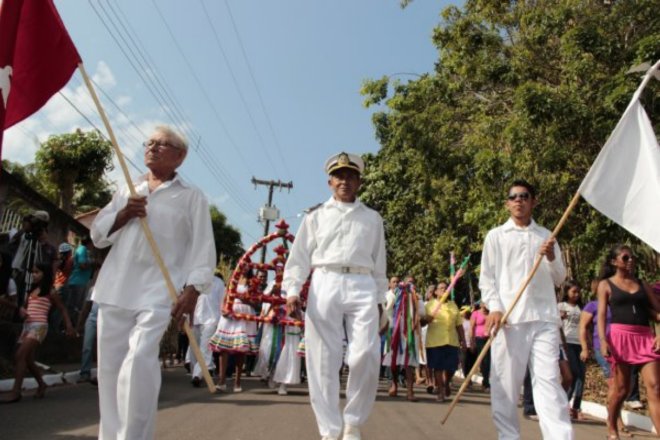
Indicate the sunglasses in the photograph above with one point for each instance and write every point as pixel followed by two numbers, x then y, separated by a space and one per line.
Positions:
pixel 522 196
pixel 626 258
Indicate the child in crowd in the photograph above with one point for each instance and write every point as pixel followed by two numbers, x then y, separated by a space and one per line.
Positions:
pixel 35 327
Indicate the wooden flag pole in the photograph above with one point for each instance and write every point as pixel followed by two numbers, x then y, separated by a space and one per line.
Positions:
pixel 519 294
pixel 147 231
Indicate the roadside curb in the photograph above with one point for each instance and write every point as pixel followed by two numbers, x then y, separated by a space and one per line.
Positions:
pixel 596 410
pixel 51 379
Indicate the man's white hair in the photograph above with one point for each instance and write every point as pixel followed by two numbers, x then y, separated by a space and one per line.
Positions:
pixel 177 139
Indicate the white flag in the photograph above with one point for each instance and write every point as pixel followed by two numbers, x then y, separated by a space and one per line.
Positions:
pixel 624 181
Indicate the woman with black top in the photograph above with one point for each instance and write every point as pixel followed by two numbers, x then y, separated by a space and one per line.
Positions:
pixel 631 341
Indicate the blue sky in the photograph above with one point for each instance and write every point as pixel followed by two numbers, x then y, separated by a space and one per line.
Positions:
pixel 278 115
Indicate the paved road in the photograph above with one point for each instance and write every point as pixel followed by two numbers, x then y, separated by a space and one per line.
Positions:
pixel 71 412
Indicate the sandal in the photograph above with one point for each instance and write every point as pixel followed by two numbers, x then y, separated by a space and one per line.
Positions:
pixel 41 392
pixel 411 398
pixel 393 391
pixel 17 398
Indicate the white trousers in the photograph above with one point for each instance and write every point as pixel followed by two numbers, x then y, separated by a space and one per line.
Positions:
pixel 128 370
pixel 334 299
pixel 202 333
pixel 516 346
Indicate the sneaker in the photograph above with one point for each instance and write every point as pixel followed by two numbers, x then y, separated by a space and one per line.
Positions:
pixel 351 433
pixel 282 390
pixel 329 437
pixel 222 387
pixel 633 404
pixel 238 389
pixel 271 383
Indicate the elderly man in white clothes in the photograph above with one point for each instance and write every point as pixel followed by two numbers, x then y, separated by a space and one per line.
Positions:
pixel 531 334
pixel 344 242
pixel 134 305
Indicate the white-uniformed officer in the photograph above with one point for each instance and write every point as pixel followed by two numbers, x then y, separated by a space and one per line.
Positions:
pixel 344 242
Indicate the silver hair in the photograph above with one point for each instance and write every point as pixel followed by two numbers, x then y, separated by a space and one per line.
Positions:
pixel 178 139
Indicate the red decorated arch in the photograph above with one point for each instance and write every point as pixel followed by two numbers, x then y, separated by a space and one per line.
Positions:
pixel 255 293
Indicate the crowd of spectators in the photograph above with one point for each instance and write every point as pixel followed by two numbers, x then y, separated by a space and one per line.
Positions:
pixel 44 289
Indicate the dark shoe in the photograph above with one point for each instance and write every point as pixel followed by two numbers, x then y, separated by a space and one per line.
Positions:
pixel 94 381
pixel 531 416
pixel 196 382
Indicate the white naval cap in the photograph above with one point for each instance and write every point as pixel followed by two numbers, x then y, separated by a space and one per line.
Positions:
pixel 344 160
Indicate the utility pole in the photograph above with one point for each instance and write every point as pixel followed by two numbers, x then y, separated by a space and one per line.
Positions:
pixel 269 212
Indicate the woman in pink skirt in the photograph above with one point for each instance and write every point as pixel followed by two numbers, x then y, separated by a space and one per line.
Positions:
pixel 631 340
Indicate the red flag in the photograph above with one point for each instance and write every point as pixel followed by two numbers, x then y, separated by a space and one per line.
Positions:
pixel 37 58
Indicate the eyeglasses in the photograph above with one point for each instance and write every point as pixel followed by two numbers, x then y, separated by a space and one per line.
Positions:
pixel 152 144
pixel 626 258
pixel 522 196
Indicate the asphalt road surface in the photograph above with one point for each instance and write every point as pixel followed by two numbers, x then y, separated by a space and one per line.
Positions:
pixel 71 412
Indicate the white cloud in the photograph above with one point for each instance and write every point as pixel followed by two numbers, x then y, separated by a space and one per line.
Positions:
pixel 218 200
pixel 123 101
pixel 103 76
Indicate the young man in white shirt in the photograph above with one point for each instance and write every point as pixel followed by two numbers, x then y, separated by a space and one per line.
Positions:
pixel 134 305
pixel 344 242
pixel 531 334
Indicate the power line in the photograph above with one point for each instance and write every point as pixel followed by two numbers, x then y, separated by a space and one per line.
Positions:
pixel 128 159
pixel 147 60
pixel 206 95
pixel 254 82
pixel 233 77
pixel 173 108
pixel 209 162
pixel 97 129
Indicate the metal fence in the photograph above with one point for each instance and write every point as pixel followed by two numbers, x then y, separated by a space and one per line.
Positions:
pixel 11 220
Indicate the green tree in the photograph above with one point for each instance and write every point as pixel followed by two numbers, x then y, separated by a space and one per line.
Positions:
pixel 227 238
pixel 75 164
pixel 520 89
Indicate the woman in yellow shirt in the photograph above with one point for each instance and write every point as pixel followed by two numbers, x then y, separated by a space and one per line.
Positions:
pixel 444 337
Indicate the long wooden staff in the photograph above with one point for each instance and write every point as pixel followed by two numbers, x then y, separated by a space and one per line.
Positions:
pixel 147 231
pixel 537 263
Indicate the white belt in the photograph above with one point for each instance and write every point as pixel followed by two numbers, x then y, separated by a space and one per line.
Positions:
pixel 347 269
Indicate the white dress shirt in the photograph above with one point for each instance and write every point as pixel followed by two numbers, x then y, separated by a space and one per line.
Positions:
pixel 179 218
pixel 338 234
pixel 207 310
pixel 508 256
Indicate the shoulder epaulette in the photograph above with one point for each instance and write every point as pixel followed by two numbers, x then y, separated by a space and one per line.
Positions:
pixel 369 206
pixel 312 208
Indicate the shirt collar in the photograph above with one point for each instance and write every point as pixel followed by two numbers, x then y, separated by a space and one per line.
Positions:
pixel 511 226
pixel 335 204
pixel 177 178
